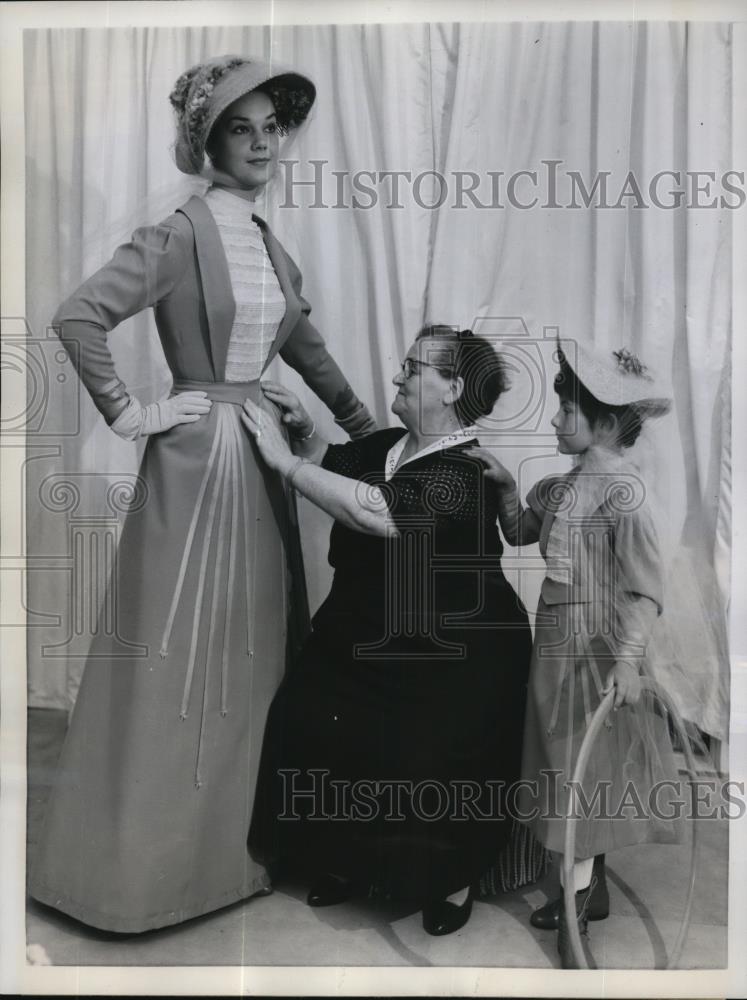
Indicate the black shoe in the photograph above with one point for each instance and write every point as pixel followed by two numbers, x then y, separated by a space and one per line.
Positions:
pixel 567 958
pixel 547 917
pixel 266 891
pixel 329 890
pixel 443 917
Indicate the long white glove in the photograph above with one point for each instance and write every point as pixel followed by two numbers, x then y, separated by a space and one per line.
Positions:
pixel 137 420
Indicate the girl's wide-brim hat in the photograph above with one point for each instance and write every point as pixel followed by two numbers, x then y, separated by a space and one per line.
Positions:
pixel 617 378
pixel 202 94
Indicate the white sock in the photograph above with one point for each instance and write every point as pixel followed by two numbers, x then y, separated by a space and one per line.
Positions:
pixel 459 896
pixel 581 874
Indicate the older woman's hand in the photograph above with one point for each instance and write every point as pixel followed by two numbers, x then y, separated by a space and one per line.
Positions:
pixel 294 416
pixel 263 423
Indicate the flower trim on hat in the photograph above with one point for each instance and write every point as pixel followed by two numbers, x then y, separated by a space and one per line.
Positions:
pixel 193 93
pixel 194 109
pixel 630 364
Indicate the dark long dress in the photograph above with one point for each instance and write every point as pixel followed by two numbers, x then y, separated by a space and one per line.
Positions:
pixel 415 672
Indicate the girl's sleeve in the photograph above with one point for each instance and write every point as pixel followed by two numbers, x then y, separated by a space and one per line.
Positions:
pixel 306 351
pixel 539 497
pixel 638 556
pixel 140 274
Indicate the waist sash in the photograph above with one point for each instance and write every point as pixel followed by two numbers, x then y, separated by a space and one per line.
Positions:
pixel 221 392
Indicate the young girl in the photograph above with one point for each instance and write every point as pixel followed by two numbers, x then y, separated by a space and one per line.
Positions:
pixel 600 598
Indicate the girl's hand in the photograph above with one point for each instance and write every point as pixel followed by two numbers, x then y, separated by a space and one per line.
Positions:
pixel 624 678
pixel 496 472
pixel 293 415
pixel 263 423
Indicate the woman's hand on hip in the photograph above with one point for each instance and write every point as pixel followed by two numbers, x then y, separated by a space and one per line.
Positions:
pixel 624 678
pixel 263 423
pixel 184 408
pixel 293 414
pixel 137 420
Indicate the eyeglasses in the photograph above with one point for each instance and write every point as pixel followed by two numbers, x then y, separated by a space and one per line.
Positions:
pixel 410 366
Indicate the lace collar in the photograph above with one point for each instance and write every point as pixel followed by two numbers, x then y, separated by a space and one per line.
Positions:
pixel 395 452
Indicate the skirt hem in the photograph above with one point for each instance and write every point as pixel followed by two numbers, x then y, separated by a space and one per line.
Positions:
pixel 123 925
pixel 603 845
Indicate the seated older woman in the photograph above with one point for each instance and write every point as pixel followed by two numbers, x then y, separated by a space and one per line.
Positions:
pixel 388 744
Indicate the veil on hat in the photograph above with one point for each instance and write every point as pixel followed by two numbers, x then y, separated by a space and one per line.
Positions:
pixel 163 199
pixel 688 652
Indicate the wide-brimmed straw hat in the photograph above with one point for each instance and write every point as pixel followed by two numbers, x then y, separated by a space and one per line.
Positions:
pixel 202 94
pixel 617 378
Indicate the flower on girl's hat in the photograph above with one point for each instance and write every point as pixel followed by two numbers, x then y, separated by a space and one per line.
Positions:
pixel 630 364
pixel 616 378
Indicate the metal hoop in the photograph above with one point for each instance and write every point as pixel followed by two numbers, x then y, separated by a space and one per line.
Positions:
pixel 570 824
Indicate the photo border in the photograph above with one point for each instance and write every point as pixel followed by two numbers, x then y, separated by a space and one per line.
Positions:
pixel 15 975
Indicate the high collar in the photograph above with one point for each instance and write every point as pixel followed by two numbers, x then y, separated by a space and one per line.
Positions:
pixel 227 200
pixel 215 280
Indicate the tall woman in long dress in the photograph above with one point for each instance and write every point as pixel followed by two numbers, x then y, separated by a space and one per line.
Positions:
pixel 146 826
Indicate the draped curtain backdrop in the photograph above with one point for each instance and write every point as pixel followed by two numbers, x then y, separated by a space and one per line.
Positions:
pixel 475 104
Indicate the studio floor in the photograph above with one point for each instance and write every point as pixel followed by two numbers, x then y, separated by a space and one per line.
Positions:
pixel 647 894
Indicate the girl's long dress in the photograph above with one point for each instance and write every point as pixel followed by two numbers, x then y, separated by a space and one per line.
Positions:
pixel 391 739
pixel 601 561
pixel 147 823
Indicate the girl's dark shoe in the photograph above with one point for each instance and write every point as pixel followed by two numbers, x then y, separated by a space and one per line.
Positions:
pixel 443 917
pixel 329 890
pixel 547 917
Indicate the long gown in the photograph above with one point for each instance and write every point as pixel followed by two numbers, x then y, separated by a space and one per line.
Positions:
pixel 146 825
pixel 415 673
